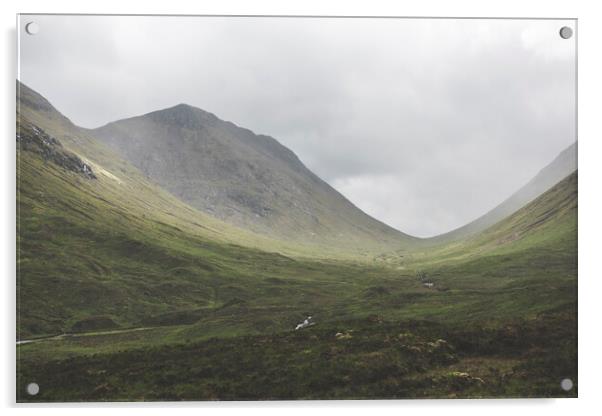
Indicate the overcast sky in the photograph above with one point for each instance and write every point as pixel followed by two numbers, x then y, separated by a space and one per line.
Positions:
pixel 423 124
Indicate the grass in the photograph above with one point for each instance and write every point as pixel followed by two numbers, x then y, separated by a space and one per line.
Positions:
pixel 367 358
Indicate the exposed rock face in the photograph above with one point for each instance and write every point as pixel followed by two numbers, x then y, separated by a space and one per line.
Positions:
pixel 34 139
pixel 246 179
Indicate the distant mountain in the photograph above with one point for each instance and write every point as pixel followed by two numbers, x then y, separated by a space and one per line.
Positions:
pixel 562 166
pixel 243 178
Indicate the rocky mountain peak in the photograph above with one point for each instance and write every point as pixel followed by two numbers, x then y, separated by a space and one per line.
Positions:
pixel 184 116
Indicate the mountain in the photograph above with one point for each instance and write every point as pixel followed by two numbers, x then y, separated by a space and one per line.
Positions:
pixel 243 178
pixel 562 166
pixel 42 129
pixel 100 245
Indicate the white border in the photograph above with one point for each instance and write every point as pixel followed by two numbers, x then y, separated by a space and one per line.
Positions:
pixel 590 206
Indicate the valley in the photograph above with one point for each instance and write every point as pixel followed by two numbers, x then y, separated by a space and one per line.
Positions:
pixel 197 298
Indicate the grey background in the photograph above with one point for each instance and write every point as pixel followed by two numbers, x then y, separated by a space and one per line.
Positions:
pixel 423 123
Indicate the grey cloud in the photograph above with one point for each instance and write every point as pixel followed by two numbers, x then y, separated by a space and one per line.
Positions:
pixel 424 124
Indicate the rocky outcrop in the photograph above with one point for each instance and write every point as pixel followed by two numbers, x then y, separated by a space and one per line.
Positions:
pixel 33 139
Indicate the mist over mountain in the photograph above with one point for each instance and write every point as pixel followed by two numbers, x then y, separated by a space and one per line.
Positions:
pixel 246 179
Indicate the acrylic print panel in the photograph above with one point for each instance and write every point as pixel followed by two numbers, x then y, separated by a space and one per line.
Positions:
pixel 253 208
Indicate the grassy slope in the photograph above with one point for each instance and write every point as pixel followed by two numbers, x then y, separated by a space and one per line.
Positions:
pixel 529 260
